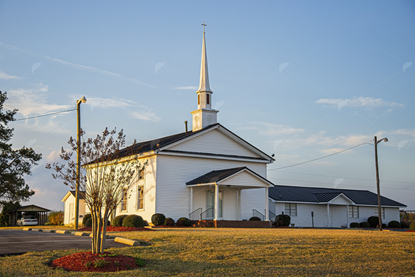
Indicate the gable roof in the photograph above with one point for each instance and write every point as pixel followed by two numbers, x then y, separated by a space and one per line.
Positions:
pixel 72 192
pixel 160 144
pixel 283 193
pixel 216 176
pixel 29 208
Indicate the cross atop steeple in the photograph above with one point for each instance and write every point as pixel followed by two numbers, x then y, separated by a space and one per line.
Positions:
pixel 203 24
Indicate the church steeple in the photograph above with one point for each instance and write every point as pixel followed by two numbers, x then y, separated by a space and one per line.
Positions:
pixel 204 115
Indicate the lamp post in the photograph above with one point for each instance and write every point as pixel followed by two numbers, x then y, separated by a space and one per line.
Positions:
pixel 78 158
pixel 377 179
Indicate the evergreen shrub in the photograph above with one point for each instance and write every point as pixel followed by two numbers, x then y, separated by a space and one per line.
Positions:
pixel 133 221
pixel 283 219
pixel 158 219
pixel 88 222
pixel 183 221
pixel 405 224
pixel 373 221
pixel 394 224
pixel 255 218
pixel 117 222
pixel 354 225
pixel 169 222
pixel 85 218
pixel 365 224
pixel 412 226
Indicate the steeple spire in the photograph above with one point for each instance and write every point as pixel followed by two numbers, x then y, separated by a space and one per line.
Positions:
pixel 204 115
pixel 204 75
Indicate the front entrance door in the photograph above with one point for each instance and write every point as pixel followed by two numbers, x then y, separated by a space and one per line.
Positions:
pixel 210 204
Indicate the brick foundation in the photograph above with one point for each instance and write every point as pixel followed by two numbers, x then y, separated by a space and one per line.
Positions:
pixel 231 224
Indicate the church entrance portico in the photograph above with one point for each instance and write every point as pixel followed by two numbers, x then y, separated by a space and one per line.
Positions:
pixel 217 195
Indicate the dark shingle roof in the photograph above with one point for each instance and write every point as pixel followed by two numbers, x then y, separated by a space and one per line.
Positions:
pixel 215 176
pixel 316 195
pixel 219 175
pixel 81 194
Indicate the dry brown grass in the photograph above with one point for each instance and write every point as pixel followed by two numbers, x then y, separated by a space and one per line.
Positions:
pixel 251 252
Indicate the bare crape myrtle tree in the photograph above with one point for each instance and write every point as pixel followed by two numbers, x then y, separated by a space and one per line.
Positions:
pixel 106 169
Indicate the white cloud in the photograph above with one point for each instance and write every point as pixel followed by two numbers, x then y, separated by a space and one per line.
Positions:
pixel 79 66
pixel 332 151
pixel 31 101
pixel 108 102
pixel 146 116
pixel 358 102
pixel 5 76
pixel 188 87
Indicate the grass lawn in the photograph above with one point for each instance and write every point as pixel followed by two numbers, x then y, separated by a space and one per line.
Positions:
pixel 249 252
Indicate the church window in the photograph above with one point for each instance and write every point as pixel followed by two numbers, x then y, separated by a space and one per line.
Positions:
pixel 140 198
pixel 354 212
pixel 124 200
pixel 291 209
pixel 207 99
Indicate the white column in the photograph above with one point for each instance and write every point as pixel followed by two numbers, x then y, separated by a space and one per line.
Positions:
pixel 239 204
pixel 347 215
pixel 328 215
pixel 191 200
pixel 266 205
pixel 216 201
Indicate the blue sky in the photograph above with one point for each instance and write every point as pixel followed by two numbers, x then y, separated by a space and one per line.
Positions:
pixel 299 79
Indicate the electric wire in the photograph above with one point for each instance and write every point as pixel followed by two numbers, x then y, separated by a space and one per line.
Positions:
pixel 344 150
pixel 31 117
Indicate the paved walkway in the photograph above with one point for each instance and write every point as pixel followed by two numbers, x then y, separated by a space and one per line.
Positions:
pixel 14 242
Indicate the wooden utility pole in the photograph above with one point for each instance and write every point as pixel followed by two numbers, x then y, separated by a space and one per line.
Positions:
pixel 378 181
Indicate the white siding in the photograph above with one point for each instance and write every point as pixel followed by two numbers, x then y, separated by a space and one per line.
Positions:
pixel 338 215
pixel 214 142
pixel 67 220
pixel 149 184
pixel 173 195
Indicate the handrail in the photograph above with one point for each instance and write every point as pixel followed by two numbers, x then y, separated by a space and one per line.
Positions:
pixel 272 216
pixel 203 214
pixel 256 213
pixel 198 211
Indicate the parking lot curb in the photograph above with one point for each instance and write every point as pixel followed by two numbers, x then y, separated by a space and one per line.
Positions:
pixel 48 231
pixel 127 241
pixel 27 229
pixel 62 232
pixel 37 230
pixel 80 234
pixel 106 236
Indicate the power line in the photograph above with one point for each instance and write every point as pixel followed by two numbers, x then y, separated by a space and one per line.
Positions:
pixel 318 158
pixel 372 180
pixel 44 115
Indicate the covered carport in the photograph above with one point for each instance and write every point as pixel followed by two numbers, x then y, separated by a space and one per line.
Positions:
pixel 39 212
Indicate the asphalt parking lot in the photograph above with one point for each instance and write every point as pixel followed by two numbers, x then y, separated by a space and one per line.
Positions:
pixel 15 242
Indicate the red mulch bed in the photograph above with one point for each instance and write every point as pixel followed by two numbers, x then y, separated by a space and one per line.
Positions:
pixel 410 231
pixel 86 261
pixel 118 229
pixel 165 226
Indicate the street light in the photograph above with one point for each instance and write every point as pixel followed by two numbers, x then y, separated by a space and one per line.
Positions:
pixel 78 158
pixel 377 179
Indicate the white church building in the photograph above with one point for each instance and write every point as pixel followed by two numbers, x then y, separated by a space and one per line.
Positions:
pixel 211 173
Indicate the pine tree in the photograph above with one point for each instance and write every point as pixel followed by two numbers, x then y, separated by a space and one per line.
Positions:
pixel 14 163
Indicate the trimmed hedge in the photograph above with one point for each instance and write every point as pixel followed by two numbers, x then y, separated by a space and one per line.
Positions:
pixel 183 221
pixel 365 224
pixel 283 219
pixel 169 222
pixel 85 218
pixel 412 226
pixel 88 222
pixel 373 221
pixel 133 221
pixel 405 224
pixel 394 224
pixel 158 219
pixel 255 218
pixel 117 222
pixel 354 225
